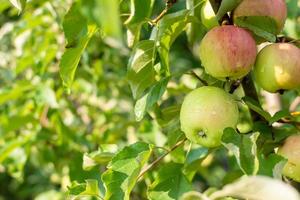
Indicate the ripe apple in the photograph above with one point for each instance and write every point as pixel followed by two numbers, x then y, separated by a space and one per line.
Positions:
pixel 275 9
pixel 205 113
pixel 291 151
pixel 278 67
pixel 228 52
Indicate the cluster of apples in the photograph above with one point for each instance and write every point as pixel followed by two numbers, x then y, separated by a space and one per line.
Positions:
pixel 230 52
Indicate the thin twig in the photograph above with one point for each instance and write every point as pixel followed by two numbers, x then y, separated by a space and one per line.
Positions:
pixel 150 166
pixel 169 4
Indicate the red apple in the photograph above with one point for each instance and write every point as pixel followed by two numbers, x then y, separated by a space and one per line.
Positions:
pixel 228 52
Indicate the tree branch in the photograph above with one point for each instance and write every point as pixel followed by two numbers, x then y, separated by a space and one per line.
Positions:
pixel 150 166
pixel 169 4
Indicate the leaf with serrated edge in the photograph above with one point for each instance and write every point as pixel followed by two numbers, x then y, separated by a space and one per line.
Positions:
pixel 244 149
pixel 124 169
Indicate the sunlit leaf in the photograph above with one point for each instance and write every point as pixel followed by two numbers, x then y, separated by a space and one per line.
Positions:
pixel 140 12
pixel 140 72
pixel 124 169
pixel 71 58
pixel 19 4
pixel 96 158
pixel 79 190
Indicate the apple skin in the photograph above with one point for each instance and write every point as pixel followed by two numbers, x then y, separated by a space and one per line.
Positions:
pixel 277 67
pixel 205 113
pixel 275 9
pixel 291 151
pixel 228 52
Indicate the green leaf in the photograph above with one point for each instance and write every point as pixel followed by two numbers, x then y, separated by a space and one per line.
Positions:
pixel 227 6
pixel 89 188
pixel 15 163
pixel 16 122
pixel 124 169
pixel 9 147
pixel 110 21
pixel 19 4
pixel 169 28
pixel 140 72
pixel 74 25
pixel 96 158
pixel 195 30
pixel 262 26
pixel 193 161
pixel 14 93
pixel 139 12
pixel 71 57
pixel 148 100
pixel 268 165
pixel 279 115
pixel 244 149
pixel 170 183
pixel 255 106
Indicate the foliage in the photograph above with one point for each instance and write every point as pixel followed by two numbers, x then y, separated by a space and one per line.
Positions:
pixel 90 94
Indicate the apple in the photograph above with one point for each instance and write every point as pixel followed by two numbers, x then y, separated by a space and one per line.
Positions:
pixel 208 16
pixel 205 113
pixel 277 67
pixel 275 9
pixel 228 52
pixel 291 151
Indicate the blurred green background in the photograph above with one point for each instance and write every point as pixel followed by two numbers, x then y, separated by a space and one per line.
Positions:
pixel 44 131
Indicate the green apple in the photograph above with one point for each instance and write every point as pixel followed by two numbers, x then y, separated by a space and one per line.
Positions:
pixel 208 16
pixel 277 67
pixel 275 9
pixel 205 113
pixel 228 52
pixel 291 151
